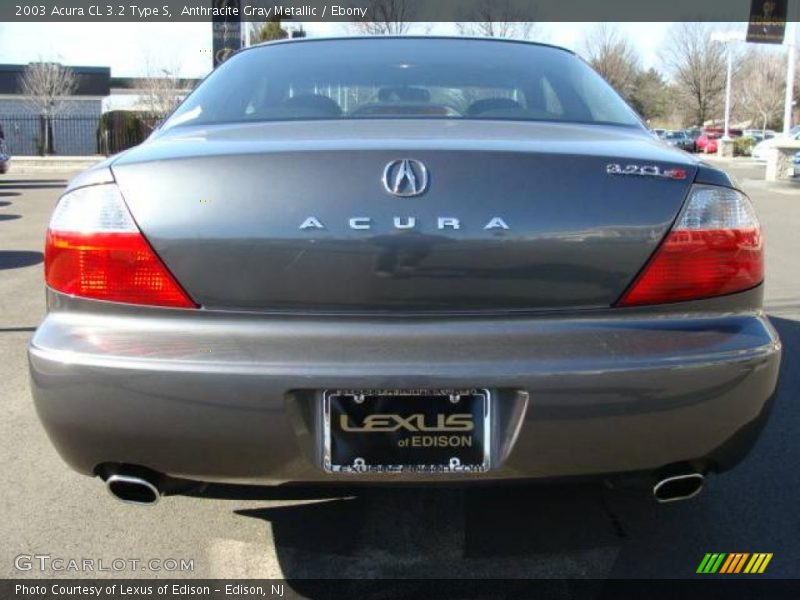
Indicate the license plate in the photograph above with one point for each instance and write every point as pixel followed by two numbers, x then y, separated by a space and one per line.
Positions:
pixel 393 431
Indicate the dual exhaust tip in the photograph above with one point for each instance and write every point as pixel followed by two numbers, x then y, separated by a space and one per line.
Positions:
pixel 678 487
pixel 131 489
pixel 144 491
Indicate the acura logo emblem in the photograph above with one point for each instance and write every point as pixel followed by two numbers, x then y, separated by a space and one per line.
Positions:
pixel 405 177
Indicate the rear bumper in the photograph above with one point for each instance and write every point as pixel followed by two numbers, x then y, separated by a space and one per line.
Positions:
pixel 236 398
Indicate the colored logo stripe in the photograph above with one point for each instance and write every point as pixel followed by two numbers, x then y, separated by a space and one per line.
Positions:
pixel 734 562
pixel 758 563
pixel 710 563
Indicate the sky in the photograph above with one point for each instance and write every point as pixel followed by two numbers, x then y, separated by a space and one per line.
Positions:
pixel 141 49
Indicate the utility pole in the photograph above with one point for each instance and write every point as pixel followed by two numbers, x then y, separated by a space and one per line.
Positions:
pixel 728 38
pixel 791 48
pixel 728 79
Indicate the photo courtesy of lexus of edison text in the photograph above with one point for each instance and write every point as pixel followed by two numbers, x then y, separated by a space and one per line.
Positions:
pixel 393 298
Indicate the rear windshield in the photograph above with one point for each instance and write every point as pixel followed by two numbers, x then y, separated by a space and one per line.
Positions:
pixel 403 78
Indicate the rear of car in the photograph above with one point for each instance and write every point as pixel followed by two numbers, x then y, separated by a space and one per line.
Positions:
pixel 680 140
pixel 694 134
pixel 700 142
pixel 707 143
pixel 5 157
pixel 409 260
pixel 762 149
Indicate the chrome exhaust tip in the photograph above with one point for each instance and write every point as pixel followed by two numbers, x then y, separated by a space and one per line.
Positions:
pixel 678 487
pixel 132 490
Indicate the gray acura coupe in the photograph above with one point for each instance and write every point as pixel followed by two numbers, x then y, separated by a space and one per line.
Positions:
pixel 410 260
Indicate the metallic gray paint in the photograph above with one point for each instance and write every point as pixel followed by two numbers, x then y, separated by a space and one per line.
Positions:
pixel 231 392
pixel 235 396
pixel 223 207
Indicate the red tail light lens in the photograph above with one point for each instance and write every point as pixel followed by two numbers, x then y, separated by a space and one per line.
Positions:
pixel 715 248
pixel 94 250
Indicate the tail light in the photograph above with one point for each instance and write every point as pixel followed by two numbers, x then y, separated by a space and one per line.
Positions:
pixel 95 250
pixel 713 249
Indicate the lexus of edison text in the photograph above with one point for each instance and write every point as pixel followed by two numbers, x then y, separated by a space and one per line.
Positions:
pixel 412 260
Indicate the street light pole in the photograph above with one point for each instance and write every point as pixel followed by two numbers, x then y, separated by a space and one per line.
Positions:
pixel 728 38
pixel 791 48
pixel 728 92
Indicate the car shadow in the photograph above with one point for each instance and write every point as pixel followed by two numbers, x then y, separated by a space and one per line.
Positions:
pixel 567 530
pixel 31 184
pixel 5 217
pixel 16 259
pixel 451 532
pixel 4 194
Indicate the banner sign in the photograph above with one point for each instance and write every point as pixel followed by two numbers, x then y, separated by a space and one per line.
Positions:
pixel 767 21
pixel 413 11
pixel 227 29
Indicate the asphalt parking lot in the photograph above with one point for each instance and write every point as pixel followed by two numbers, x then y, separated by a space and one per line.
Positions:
pixel 585 530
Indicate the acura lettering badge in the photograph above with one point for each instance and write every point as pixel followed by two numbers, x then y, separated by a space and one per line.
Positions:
pixel 405 177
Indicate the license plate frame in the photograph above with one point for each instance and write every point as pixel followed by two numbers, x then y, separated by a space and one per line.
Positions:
pixel 436 418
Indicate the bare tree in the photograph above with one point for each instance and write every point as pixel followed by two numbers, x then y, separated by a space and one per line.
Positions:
pixel 613 56
pixel 761 86
pixel 387 17
pixel 497 18
pixel 46 87
pixel 160 91
pixel 697 66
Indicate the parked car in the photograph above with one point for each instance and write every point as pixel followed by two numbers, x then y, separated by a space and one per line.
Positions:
pixel 758 135
pixel 659 133
pixel 760 150
pixel 693 133
pixel 707 138
pixel 5 158
pixel 429 259
pixel 679 139
pixel 708 142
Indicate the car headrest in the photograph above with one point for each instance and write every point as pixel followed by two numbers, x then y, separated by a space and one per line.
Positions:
pixel 316 103
pixel 491 104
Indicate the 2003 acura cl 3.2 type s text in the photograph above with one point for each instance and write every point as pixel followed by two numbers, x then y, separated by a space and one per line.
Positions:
pixel 402 260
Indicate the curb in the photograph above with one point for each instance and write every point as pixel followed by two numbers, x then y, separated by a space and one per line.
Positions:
pixel 23 164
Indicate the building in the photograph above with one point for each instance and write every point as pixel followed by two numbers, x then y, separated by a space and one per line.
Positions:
pixel 72 132
pixel 76 130
pixel 129 93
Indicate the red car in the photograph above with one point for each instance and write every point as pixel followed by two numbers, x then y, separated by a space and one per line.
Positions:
pixel 707 142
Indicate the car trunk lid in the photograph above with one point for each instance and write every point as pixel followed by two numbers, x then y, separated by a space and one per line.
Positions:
pixel 295 216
